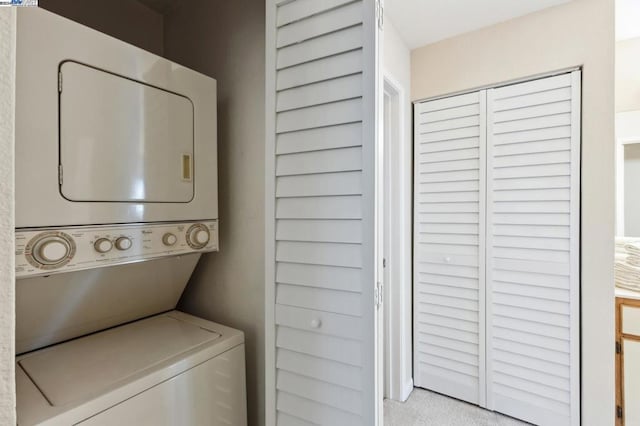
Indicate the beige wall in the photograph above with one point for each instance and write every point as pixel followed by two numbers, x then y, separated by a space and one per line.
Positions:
pixel 578 33
pixel 225 39
pixel 7 246
pixel 126 20
pixel 628 75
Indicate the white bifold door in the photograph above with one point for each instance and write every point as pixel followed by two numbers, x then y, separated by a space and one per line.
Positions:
pixel 321 98
pixel 496 258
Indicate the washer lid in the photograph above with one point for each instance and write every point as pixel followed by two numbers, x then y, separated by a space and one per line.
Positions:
pixel 90 365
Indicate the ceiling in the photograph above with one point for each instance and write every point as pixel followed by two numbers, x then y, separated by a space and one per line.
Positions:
pixel 627 19
pixel 421 22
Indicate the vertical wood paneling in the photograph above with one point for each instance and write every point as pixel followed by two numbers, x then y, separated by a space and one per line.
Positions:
pixel 320 172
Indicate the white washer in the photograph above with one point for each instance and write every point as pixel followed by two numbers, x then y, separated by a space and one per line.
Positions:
pixel 169 369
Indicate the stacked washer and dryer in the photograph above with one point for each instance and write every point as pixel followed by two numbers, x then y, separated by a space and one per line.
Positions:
pixel 116 200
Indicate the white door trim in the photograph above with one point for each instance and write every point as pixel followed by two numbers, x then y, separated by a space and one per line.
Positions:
pixel 398 381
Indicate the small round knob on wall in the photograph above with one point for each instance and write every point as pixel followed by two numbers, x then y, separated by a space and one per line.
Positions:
pixel 316 323
pixel 103 245
pixel 169 239
pixel 123 243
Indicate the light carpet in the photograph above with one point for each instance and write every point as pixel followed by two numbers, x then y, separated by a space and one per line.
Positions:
pixel 424 408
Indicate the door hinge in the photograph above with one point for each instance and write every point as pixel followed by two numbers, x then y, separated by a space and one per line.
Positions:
pixel 60 81
pixel 380 14
pixel 619 411
pixel 60 174
pixel 384 262
pixel 378 294
pixel 618 347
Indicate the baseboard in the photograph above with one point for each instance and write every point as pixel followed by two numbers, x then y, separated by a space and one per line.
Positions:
pixel 406 390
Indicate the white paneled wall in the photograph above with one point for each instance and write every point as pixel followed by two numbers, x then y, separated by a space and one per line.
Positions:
pixel 320 212
pixel 497 254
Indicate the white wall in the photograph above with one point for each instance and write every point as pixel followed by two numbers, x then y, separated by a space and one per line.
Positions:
pixel 225 40
pixel 578 33
pixel 397 69
pixel 628 125
pixel 628 75
pixel 628 200
pixel 7 246
pixel 631 193
pixel 627 81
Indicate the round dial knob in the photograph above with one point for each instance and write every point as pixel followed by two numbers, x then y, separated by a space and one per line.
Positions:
pixel 103 245
pixel 50 250
pixel 169 239
pixel 123 243
pixel 198 236
pixel 201 236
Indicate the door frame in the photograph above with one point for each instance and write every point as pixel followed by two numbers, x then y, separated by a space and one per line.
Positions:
pixel 397 242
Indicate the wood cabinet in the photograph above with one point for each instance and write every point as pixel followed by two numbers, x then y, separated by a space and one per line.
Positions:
pixel 627 358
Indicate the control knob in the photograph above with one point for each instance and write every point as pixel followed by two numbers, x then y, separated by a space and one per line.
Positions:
pixel 198 236
pixel 103 245
pixel 50 250
pixel 123 243
pixel 169 239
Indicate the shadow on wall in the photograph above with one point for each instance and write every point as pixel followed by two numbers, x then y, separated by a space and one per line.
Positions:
pixel 127 20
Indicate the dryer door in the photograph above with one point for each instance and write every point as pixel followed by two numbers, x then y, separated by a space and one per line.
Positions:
pixel 122 140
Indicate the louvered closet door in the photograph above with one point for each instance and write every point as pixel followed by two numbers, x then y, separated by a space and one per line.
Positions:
pixel 533 217
pixel 449 246
pixel 321 103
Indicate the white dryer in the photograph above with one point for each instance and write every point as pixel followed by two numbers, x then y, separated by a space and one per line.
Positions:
pixel 169 369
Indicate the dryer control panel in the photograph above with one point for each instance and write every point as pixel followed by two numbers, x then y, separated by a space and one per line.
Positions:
pixel 54 250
